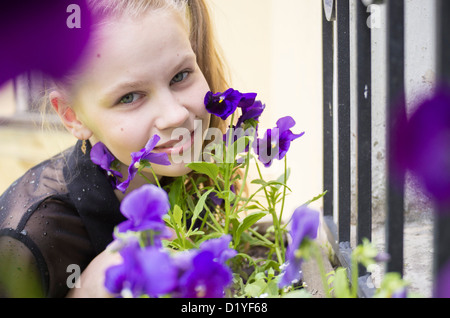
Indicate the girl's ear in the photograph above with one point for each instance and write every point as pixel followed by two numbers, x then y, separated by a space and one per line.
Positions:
pixel 68 116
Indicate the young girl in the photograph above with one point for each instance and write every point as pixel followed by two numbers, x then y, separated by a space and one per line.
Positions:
pixel 146 73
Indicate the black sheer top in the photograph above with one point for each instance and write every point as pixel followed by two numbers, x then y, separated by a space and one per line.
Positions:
pixel 60 212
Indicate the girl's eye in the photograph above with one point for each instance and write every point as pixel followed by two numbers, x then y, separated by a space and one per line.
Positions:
pixel 129 98
pixel 179 77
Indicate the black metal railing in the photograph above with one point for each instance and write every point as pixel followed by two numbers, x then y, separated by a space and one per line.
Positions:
pixel 336 93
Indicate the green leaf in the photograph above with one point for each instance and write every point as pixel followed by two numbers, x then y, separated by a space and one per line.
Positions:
pixel 177 215
pixel 246 223
pixel 199 206
pixel 259 181
pixel 341 284
pixel 208 168
pixel 315 198
pixel 208 237
pixel 176 190
pixel 255 289
pixel 276 185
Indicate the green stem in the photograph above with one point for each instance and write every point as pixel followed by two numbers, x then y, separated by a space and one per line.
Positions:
pixel 227 177
pixel 284 189
pixel 279 244
pixel 238 198
pixel 261 237
pixel 147 179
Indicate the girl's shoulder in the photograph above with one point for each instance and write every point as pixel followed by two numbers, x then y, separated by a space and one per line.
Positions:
pixel 43 180
pixel 29 192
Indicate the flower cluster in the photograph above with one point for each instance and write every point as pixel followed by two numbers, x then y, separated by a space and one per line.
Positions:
pixel 192 239
pixel 276 141
pixel 149 270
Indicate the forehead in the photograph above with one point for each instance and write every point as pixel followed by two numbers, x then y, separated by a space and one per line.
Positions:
pixel 134 46
pixel 154 28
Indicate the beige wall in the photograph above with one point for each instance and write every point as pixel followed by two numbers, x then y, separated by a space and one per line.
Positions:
pixel 273 48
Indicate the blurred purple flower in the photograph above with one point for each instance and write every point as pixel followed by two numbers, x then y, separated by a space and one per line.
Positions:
pixel 421 145
pixel 401 293
pixel 206 278
pixel 148 271
pixel 144 209
pixel 48 36
pixel 276 142
pixel 101 156
pixel 305 223
pixel 224 104
pixel 220 247
pixel 442 288
pixel 145 154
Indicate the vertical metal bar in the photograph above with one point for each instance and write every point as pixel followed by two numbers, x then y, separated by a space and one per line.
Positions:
pixel 344 153
pixel 395 89
pixel 442 218
pixel 364 125
pixel 328 156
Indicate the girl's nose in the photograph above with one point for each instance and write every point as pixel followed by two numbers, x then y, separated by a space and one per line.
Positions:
pixel 171 112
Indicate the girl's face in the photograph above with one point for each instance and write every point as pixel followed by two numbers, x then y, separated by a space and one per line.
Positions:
pixel 143 79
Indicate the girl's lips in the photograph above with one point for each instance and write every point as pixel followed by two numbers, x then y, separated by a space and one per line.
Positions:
pixel 176 146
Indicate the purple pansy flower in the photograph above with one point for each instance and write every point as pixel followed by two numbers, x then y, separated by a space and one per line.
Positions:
pixel 421 145
pixel 49 36
pixel 101 156
pixel 144 154
pixel 206 278
pixel 220 247
pixel 148 271
pixel 305 223
pixel 144 209
pixel 253 111
pixel 276 141
pixel 224 104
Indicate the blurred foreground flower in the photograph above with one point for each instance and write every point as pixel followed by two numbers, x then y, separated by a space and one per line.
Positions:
pixel 147 271
pixel 155 272
pixel 422 145
pixel 207 278
pixel 305 224
pixel 48 36
pixel 144 208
